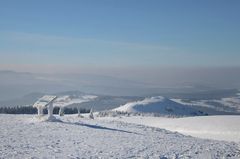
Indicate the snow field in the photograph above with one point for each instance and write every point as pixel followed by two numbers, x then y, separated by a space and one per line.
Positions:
pixel 23 136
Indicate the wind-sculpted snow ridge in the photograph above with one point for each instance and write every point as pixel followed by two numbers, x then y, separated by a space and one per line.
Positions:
pixel 21 137
pixel 158 105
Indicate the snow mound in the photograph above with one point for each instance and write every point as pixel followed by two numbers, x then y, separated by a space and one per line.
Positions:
pixel 159 105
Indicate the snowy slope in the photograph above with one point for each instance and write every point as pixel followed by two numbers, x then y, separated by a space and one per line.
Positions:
pixel 159 105
pixel 227 104
pixel 225 127
pixel 23 137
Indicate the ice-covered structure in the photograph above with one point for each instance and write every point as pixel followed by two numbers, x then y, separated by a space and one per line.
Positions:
pixel 67 100
pixel 45 102
pixel 91 114
pixel 50 101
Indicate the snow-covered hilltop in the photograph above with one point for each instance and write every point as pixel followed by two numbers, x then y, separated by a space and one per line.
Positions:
pixel 160 105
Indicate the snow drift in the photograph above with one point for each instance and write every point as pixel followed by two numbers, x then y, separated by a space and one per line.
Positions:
pixel 159 105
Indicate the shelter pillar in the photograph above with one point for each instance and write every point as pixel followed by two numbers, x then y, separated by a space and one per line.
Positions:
pixel 50 110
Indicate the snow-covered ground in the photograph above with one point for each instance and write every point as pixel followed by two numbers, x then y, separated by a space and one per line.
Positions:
pixel 23 136
pixel 223 127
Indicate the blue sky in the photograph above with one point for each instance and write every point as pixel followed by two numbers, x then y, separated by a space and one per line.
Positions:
pixel 114 34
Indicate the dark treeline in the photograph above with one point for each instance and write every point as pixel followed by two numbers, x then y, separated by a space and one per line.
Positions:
pixel 31 110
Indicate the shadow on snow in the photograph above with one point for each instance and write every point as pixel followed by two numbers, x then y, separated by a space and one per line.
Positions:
pixel 101 127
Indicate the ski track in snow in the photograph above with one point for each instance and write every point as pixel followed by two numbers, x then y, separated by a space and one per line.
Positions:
pixel 23 136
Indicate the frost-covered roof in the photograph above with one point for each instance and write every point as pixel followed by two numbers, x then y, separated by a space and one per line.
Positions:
pixel 67 100
pixel 44 101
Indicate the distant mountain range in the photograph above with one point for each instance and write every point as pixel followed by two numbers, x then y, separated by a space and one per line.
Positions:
pixel 102 102
pixel 21 89
pixel 15 85
pixel 156 104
